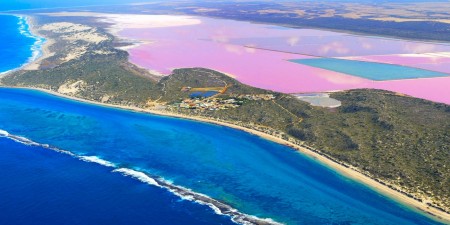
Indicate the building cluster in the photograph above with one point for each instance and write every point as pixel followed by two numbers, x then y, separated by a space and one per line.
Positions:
pixel 212 103
pixel 259 97
pixel 209 103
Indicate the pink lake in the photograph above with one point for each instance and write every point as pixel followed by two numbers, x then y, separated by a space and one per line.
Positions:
pixel 257 54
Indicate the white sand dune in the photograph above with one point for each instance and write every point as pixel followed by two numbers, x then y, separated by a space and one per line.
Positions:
pixel 135 21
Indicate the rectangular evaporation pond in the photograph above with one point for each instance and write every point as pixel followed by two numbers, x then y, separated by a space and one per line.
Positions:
pixel 369 70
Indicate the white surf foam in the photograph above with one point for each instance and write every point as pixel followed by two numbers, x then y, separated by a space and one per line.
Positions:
pixel 23 140
pixel 36 48
pixel 182 192
pixel 26 141
pixel 217 206
pixel 137 175
pixel 95 159
pixel 4 133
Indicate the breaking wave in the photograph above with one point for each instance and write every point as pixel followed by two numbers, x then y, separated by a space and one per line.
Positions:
pixel 95 159
pixel 36 48
pixel 137 175
pixel 218 207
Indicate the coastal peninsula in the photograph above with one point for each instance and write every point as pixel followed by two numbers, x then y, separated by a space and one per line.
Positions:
pixel 380 138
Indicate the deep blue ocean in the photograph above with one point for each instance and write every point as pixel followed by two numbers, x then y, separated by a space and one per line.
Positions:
pixel 17 44
pixel 39 186
pixel 85 164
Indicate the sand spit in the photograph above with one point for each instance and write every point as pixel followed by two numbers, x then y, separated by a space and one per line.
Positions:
pixel 65 27
pixel 78 37
pixel 74 32
pixel 45 48
pixel 119 22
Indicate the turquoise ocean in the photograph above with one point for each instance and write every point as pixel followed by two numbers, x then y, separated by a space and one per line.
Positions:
pixel 67 162
pixel 50 145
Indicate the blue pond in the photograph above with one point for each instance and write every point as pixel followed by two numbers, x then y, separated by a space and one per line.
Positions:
pixel 369 70
pixel 251 174
pixel 205 94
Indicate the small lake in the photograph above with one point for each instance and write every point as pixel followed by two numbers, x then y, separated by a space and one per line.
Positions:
pixel 203 94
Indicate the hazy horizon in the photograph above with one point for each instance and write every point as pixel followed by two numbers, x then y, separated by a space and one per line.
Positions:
pixel 13 5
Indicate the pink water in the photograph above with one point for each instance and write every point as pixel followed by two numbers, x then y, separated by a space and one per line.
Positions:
pixel 220 45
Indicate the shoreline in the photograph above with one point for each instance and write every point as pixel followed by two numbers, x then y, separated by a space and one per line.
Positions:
pixel 39 49
pixel 44 51
pixel 371 183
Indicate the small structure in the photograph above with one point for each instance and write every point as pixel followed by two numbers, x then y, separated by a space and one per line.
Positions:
pixel 186 89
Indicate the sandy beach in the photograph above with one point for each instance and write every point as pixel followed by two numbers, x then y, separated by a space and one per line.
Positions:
pixel 345 171
pixel 45 48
